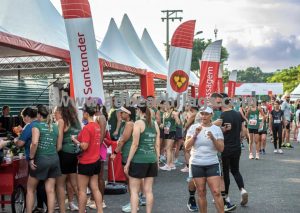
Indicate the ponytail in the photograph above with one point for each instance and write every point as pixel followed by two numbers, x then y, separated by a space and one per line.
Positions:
pixel 148 117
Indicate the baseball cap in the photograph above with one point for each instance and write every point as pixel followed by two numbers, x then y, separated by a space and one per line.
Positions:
pixel 123 109
pixel 207 109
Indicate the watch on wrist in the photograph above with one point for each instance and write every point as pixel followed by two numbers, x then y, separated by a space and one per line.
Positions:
pixel 31 158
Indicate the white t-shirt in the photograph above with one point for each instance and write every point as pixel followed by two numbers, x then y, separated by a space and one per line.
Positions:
pixel 297 116
pixel 204 153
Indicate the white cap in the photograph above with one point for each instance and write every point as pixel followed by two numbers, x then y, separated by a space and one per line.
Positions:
pixel 207 109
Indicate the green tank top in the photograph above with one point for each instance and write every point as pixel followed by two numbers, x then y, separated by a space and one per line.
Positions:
pixel 48 139
pixel 112 121
pixel 67 144
pixel 253 119
pixel 145 152
pixel 161 116
pixel 216 115
pixel 127 145
pixel 170 123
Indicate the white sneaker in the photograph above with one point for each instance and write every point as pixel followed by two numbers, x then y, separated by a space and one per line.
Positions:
pixel 104 204
pixel 173 167
pixel 165 168
pixel 185 169
pixel 244 199
pixel 73 206
pixel 276 151
pixel 280 151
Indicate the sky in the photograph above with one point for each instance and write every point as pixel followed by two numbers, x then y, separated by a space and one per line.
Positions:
pixel 263 33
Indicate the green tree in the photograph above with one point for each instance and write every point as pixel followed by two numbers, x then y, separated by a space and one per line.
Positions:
pixel 289 77
pixel 252 75
pixel 198 48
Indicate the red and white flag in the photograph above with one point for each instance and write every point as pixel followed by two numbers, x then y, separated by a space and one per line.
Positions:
pixel 180 59
pixel 220 86
pixel 232 83
pixel 209 69
pixel 86 75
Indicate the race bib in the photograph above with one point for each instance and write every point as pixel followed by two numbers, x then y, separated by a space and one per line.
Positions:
pixel 253 122
pixel 166 130
pixel 277 121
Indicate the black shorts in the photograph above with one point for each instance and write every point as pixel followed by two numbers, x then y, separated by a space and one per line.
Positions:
pixel 68 162
pixel 89 169
pixel 170 136
pixel 179 133
pixel 262 133
pixel 205 171
pixel 288 126
pixel 161 131
pixel 47 166
pixel 143 170
pixel 254 131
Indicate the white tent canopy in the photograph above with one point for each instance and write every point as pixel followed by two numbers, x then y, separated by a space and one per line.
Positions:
pixel 295 94
pixel 128 32
pixel 149 45
pixel 35 27
pixel 116 48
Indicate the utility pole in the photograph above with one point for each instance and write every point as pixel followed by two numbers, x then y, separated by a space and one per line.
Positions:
pixel 216 32
pixel 170 15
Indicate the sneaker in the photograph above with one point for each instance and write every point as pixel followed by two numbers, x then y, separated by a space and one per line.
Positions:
pixel 173 167
pixel 162 159
pixel 142 200
pixel 192 205
pixel 244 199
pixel 283 145
pixel 260 151
pixel 264 151
pixel 185 169
pixel 288 145
pixel 188 179
pixel 257 156
pixel 251 156
pixel 242 146
pixel 280 151
pixel 38 210
pixel 104 204
pixel 127 208
pixel 73 206
pixel 93 205
pixel 165 168
pixel 229 207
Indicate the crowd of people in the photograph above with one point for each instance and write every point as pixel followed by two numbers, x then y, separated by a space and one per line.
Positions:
pixel 65 155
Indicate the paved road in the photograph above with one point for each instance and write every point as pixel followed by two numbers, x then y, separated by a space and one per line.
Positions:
pixel 273 183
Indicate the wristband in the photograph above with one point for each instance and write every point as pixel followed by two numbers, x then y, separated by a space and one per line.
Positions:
pixel 115 152
pixel 31 158
pixel 78 145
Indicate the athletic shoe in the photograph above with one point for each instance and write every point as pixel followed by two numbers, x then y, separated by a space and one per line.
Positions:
pixel 280 151
pixel 188 179
pixel 162 159
pixel 192 205
pixel 260 151
pixel 257 156
pixel 185 169
pixel 73 206
pixel 264 151
pixel 104 204
pixel 288 145
pixel 165 168
pixel 142 200
pixel 283 145
pixel 275 151
pixel 251 156
pixel 242 146
pixel 244 199
pixel 173 167
pixel 229 207
pixel 38 210
pixel 178 163
pixel 127 208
